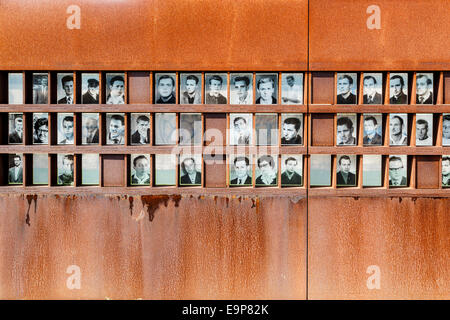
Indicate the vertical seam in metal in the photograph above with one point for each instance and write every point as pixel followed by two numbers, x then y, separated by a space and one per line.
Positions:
pixel 308 92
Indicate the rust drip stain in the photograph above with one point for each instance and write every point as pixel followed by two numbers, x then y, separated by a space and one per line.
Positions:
pixel 131 199
pixel 254 202
pixel 152 203
pixel 176 198
pixel 30 199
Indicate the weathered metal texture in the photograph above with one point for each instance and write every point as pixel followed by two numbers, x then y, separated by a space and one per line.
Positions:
pixel 407 238
pixel 153 247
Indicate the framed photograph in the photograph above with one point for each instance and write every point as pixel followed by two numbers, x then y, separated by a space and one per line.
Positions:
pixel 40 128
pixel 266 171
pixel 266 88
pixel 15 88
pixel 90 88
pixel 346 127
pixel 398 168
pixel 216 87
pixel 320 170
pixel 40 168
pixel 240 170
pixel 291 170
pixel 424 88
pixel 266 129
pixel 165 88
pixel 90 169
pixel 190 129
pixel 347 88
pixel 373 88
pixel 65 128
pixel 372 170
pixel 346 171
pixel 190 170
pixel 115 128
pixel 140 170
pixel 165 129
pixel 292 88
pixel 446 171
pixel 190 88
pixel 140 128
pixel 241 128
pixel 424 129
pixel 398 88
pixel 165 169
pixel 40 88
pixel 90 128
pixel 291 129
pixel 15 171
pixel 15 128
pixel 241 88
pixel 398 129
pixel 65 88
pixel 65 165
pixel 373 129
pixel 115 88
pixel 446 129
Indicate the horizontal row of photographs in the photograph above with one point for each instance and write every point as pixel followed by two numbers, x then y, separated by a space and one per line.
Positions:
pixel 240 170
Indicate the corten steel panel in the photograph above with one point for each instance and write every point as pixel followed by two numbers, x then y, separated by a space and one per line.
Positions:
pixel 161 247
pixel 427 173
pixel 407 238
pixel 215 129
pixel 113 172
pixel 447 88
pixel 322 126
pixel 155 35
pixel 215 171
pixel 413 35
pixel 322 88
pixel 139 87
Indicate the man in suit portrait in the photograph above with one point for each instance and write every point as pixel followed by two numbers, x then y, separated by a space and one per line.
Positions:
pixel 67 85
pixel 242 134
pixel 241 169
pixel 345 132
pixel 396 169
pixel 40 89
pixel 192 94
pixel 371 96
pixel 398 96
pixel 344 86
pixel 40 135
pixel 214 96
pixel 344 176
pixel 116 130
pixel 397 137
pixel 141 168
pixel 165 87
pixel 191 176
pixel 289 176
pixel 291 132
pixel 116 91
pixel 241 93
pixel 142 133
pixel 423 137
pixel 91 127
pixel 371 136
pixel 15 174
pixel 268 177
pixel 266 88
pixel 67 130
pixel 17 135
pixel 91 95
pixel 66 176
pixel 446 130
pixel 424 85
pixel 446 171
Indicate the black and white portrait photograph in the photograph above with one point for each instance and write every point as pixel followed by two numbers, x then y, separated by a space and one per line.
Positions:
pixel 266 129
pixel 40 88
pixel 165 88
pixel 398 168
pixel 40 128
pixel 373 88
pixel 115 88
pixel 165 128
pixel 65 164
pixel 373 129
pixel 266 88
pixel 190 129
pixel 424 88
pixel 320 170
pixel 347 88
pixel 140 128
pixel 346 170
pixel 241 88
pixel 65 88
pixel 15 128
pixel 15 172
pixel 398 129
pixel 372 170
pixel 190 88
pixel 424 129
pixel 398 88
pixel 65 128
pixel 446 129
pixel 190 170
pixel 40 168
pixel 165 169
pixel 291 170
pixel 140 170
pixel 346 127
pixel 90 169
pixel 115 128
pixel 446 171
pixel 240 170
pixel 241 128
pixel 266 171
pixel 90 88
pixel 15 88
pixel 292 88
pixel 90 128
pixel 291 129
pixel 216 87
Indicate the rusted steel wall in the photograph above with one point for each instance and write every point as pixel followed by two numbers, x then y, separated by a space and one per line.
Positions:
pixel 153 247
